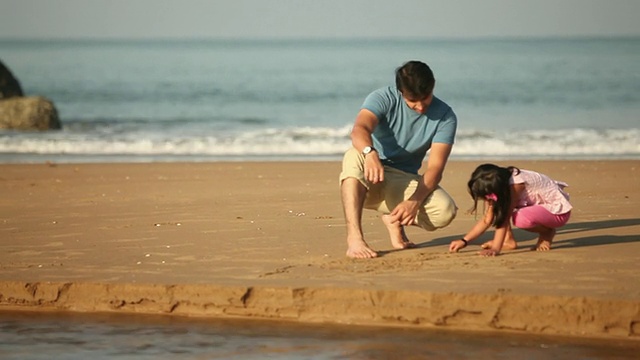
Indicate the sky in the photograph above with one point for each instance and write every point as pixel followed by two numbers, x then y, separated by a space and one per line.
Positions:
pixel 144 19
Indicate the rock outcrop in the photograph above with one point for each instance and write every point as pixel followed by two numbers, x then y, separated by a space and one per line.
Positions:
pixel 28 113
pixel 9 85
pixel 19 112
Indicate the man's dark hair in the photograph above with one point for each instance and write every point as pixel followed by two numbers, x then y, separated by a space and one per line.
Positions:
pixel 415 80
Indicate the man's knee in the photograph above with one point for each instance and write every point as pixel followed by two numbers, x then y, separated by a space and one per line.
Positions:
pixel 444 216
pixel 350 183
pixel 438 214
pixel 353 167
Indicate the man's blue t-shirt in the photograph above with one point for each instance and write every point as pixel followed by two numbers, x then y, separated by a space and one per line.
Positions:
pixel 403 136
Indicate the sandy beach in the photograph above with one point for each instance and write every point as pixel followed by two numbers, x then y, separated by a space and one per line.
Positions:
pixel 267 240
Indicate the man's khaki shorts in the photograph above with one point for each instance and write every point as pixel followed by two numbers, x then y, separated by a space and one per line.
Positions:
pixel 437 211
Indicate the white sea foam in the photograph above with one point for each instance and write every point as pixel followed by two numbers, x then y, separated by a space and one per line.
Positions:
pixel 322 142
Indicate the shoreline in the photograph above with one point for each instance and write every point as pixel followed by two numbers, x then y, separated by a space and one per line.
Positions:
pixel 266 240
pixel 70 159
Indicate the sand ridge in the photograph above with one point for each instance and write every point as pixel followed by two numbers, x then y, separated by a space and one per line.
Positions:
pixel 267 240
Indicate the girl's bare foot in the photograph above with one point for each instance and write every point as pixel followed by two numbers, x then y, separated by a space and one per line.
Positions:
pixel 544 241
pixel 542 246
pixel 358 249
pixel 487 245
pixel 399 239
pixel 509 244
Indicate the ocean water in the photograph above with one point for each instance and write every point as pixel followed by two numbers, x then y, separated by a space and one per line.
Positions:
pixel 51 336
pixel 221 100
pixel 212 100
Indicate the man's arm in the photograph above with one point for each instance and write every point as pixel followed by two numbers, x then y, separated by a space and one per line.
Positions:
pixel 406 211
pixel 438 156
pixel 365 124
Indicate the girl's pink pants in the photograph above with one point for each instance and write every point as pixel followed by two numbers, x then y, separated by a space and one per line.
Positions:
pixel 531 216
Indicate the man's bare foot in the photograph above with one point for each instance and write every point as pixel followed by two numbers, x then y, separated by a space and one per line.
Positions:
pixel 399 239
pixel 358 249
pixel 509 244
pixel 544 241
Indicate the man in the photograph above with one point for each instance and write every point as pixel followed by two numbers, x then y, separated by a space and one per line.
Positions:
pixel 392 133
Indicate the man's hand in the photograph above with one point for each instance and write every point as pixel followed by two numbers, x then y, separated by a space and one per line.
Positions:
pixel 405 213
pixel 373 168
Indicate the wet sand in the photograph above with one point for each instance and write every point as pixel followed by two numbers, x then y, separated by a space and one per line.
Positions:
pixel 266 240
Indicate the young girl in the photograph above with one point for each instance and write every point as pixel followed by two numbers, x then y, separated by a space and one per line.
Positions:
pixel 532 200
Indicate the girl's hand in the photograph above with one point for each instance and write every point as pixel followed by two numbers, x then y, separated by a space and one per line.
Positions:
pixel 489 252
pixel 456 245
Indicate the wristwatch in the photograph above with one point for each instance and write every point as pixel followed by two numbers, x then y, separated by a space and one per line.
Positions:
pixel 367 150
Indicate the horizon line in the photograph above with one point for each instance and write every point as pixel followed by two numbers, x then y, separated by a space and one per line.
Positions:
pixel 322 38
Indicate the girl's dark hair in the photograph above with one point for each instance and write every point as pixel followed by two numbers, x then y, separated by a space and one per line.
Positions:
pixel 415 80
pixel 489 179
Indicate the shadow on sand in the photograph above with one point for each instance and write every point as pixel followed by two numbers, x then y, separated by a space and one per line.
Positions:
pixel 599 239
pixel 522 235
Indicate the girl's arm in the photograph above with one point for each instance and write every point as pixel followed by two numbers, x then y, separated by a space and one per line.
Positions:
pixel 498 239
pixel 478 229
pixel 501 232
